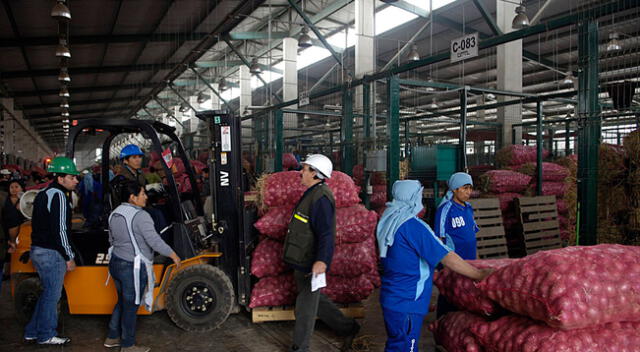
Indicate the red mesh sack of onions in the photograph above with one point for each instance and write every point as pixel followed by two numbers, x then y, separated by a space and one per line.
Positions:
pixel 517 154
pixel 274 291
pixel 550 172
pixel 352 259
pixel 266 259
pixel 274 222
pixel 503 181
pixel 452 332
pixel 462 291
pixel 571 288
pixel 514 333
pixel 506 200
pixel 379 196
pixel 374 277
pixel 355 224
pixel 348 289
pixel 289 161
pixel 284 188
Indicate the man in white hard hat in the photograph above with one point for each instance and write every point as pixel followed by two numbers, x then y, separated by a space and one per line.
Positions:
pixel 308 248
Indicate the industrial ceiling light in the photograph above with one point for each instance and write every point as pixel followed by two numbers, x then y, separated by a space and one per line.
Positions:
pixel 61 12
pixel 614 43
pixel 183 107
pixel 304 41
pixel 64 75
pixel 65 113
pixel 255 68
pixel 64 92
pixel 430 89
pixel 202 97
pixel 62 50
pixel 433 104
pixel 491 97
pixel 64 103
pixel 65 121
pixel 222 85
pixel 568 78
pixel 521 20
pixel 414 55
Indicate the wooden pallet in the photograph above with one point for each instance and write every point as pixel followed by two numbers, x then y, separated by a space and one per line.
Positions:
pixel 284 313
pixel 491 239
pixel 539 220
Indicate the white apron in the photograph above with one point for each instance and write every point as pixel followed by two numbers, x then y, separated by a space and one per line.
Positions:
pixel 129 212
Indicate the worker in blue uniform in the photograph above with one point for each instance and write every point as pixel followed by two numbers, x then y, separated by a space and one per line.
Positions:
pixel 409 252
pixel 455 225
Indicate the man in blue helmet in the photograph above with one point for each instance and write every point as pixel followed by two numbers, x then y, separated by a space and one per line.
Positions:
pixel 455 225
pixel 131 156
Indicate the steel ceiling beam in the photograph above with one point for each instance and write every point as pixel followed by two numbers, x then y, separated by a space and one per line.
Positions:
pixel 86 70
pixel 80 102
pixel 487 17
pixel 209 86
pixel 102 39
pixel 74 113
pixel 182 98
pixel 257 35
pixel 247 63
pixel 168 112
pixel 91 89
pixel 320 36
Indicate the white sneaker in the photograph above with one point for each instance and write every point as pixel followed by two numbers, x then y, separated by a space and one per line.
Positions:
pixel 56 340
pixel 30 339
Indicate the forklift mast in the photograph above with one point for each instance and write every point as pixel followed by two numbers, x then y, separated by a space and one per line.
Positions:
pixel 229 218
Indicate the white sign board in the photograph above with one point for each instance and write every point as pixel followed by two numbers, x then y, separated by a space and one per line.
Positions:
pixel 304 99
pixel 464 47
pixel 225 138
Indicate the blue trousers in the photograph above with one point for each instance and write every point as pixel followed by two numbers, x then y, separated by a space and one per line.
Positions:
pixel 123 319
pixel 403 331
pixel 51 268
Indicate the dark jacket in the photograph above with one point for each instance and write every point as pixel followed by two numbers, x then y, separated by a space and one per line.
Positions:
pixel 134 175
pixel 51 222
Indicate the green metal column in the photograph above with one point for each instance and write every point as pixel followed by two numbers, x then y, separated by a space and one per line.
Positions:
pixel 346 132
pixel 366 123
pixel 263 143
pixel 463 130
pixel 539 148
pixel 567 139
pixel 393 132
pixel 406 139
pixel 588 132
pixel 279 139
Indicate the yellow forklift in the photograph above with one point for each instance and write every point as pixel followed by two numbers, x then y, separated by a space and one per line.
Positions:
pixel 214 278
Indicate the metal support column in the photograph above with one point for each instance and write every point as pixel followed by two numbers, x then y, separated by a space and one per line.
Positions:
pixel 463 130
pixel 393 132
pixel 588 132
pixel 567 139
pixel 346 132
pixel 278 123
pixel 263 143
pixel 366 123
pixel 539 148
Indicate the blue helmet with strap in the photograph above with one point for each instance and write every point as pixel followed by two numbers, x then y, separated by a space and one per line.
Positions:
pixel 130 150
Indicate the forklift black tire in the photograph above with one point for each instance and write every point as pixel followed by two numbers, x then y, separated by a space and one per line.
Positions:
pixel 28 291
pixel 200 298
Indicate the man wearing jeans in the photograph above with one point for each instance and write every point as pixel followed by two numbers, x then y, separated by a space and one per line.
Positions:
pixel 51 252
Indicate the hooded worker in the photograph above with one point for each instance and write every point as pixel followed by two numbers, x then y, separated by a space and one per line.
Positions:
pixel 410 252
pixel 455 224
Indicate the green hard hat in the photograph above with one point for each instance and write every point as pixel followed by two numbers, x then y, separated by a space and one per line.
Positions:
pixel 63 165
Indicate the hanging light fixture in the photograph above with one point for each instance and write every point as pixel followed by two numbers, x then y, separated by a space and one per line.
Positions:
pixel 521 20
pixel 183 107
pixel 430 89
pixel 61 12
pixel 222 85
pixel 255 68
pixel 65 112
pixel 304 41
pixel 62 50
pixel 491 97
pixel 568 78
pixel 413 55
pixel 202 97
pixel 64 75
pixel 64 92
pixel 614 43
pixel 433 104
pixel 64 103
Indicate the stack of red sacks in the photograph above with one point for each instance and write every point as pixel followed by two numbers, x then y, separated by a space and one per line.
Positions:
pixel 566 300
pixel 353 272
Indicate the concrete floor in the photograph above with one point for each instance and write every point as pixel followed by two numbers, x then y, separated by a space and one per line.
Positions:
pixel 236 334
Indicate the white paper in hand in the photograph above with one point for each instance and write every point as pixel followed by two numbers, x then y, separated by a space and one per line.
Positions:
pixel 318 281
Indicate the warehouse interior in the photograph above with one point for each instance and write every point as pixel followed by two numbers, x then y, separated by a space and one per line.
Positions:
pixel 532 98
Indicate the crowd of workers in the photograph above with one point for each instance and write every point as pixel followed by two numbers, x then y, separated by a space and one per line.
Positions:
pixel 409 249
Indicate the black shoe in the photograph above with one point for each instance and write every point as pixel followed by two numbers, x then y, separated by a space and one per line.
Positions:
pixel 348 340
